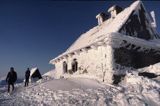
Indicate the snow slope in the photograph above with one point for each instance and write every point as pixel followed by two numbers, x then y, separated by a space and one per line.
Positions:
pixel 71 83
pixel 134 90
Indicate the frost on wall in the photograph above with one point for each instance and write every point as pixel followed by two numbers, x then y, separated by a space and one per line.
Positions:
pixel 138 25
pixel 95 62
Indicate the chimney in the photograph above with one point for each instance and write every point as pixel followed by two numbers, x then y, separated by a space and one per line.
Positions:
pixel 101 17
pixel 114 10
pixel 153 24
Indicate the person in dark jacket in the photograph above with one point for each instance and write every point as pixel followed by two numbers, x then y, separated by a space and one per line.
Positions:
pixel 11 78
pixel 27 75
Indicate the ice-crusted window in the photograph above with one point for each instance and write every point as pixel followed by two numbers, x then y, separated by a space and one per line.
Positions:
pixel 65 67
pixel 74 65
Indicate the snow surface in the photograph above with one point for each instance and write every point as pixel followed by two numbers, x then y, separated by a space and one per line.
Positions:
pixel 134 90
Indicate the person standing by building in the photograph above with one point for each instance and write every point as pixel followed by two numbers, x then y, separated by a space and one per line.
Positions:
pixel 11 79
pixel 27 75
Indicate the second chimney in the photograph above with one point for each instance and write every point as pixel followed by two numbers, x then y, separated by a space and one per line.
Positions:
pixel 101 17
pixel 114 10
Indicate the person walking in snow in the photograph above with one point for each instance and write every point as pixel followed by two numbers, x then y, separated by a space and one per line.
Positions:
pixel 27 75
pixel 11 79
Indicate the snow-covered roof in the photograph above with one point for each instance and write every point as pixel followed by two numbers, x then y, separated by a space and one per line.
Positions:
pixel 96 33
pixel 110 25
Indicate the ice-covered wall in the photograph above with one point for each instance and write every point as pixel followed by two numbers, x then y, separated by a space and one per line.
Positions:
pixel 59 69
pixel 97 62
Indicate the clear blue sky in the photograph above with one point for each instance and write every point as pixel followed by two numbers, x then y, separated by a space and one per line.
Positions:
pixel 32 32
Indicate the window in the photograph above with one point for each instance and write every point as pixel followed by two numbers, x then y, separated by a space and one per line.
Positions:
pixel 65 67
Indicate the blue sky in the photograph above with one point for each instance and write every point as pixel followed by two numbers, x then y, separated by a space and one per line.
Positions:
pixel 32 32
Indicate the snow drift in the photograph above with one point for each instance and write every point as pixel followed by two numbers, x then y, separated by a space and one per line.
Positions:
pixel 134 90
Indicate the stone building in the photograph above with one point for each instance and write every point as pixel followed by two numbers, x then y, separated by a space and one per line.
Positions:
pixel 124 38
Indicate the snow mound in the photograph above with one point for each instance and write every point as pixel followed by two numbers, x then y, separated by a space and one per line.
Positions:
pixel 140 90
pixel 50 74
pixel 152 69
pixel 133 91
